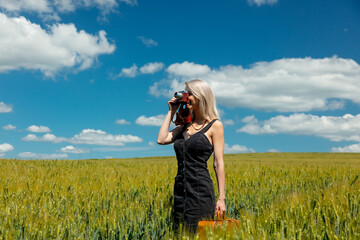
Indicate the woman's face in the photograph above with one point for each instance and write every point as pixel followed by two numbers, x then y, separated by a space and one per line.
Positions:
pixel 193 101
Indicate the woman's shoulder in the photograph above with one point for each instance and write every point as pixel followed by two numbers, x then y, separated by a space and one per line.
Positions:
pixel 217 124
pixel 216 121
pixel 216 129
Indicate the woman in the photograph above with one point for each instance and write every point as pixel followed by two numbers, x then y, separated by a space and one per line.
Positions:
pixel 194 197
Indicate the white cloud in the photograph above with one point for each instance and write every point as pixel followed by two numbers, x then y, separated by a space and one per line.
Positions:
pixel 273 150
pixel 46 138
pixel 285 85
pixel 151 68
pixel 98 137
pixel 41 6
pixel 345 128
pixel 237 149
pixel 228 122
pixel 162 89
pixel 148 42
pixel 87 136
pixel 152 143
pixel 130 2
pixel 151 121
pixel 38 129
pixel 350 148
pixel 105 6
pixel 122 122
pixel 221 112
pixel 188 69
pixel 148 68
pixel 121 149
pixel 9 127
pixel 72 149
pixel 53 7
pixel 4 108
pixel 5 147
pixel 65 5
pixel 25 45
pixel 129 72
pixel 42 155
pixel 262 2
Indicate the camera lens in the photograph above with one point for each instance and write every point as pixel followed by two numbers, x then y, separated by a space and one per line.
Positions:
pixel 178 95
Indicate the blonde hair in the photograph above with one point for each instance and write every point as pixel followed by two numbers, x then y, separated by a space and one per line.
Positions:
pixel 207 103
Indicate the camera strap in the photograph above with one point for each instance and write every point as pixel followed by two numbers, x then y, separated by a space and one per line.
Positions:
pixel 183 116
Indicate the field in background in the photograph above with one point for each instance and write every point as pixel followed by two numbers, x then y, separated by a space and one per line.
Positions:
pixel 274 195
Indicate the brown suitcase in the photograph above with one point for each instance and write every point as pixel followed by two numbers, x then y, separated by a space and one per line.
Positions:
pixel 218 223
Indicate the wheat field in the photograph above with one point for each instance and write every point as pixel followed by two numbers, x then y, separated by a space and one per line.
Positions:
pixel 274 195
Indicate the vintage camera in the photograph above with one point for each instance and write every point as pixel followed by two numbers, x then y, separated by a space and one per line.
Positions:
pixel 181 96
pixel 183 116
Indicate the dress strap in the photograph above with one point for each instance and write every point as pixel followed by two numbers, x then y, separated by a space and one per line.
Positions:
pixel 208 126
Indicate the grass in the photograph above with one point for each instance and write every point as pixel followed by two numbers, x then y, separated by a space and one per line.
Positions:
pixel 274 195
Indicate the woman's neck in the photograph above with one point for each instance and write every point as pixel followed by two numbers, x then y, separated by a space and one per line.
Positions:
pixel 197 119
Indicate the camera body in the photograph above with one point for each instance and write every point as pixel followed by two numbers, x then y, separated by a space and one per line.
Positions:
pixel 183 116
pixel 181 96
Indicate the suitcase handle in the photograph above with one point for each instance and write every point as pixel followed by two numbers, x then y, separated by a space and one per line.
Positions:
pixel 219 215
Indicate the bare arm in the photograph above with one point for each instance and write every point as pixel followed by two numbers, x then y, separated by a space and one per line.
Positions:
pixel 164 136
pixel 218 143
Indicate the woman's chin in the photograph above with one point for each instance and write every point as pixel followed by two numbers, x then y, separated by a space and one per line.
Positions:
pixel 191 107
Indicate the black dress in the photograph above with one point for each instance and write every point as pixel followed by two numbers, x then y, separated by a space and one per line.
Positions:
pixel 194 197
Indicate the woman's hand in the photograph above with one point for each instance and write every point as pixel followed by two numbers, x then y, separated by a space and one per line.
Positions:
pixel 164 136
pixel 220 206
pixel 173 105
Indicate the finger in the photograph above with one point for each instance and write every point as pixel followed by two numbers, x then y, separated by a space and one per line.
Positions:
pixel 174 103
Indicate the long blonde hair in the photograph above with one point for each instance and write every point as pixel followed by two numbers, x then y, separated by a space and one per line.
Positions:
pixel 207 103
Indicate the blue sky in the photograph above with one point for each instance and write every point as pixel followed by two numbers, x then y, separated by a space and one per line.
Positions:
pixel 91 78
